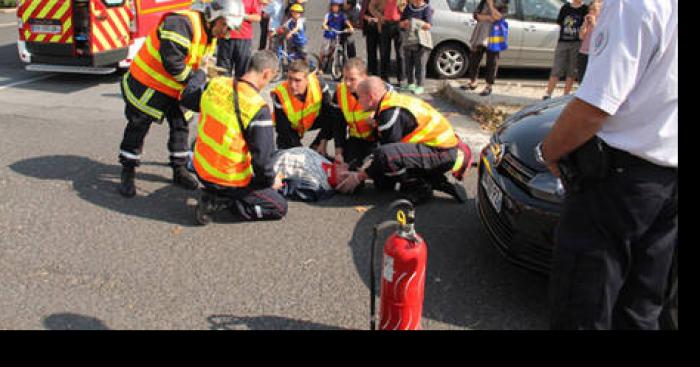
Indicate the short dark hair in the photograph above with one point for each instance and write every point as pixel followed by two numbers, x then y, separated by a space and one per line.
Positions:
pixel 263 60
pixel 299 65
pixel 357 64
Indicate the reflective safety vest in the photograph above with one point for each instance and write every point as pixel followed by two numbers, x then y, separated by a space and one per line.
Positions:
pixel 355 117
pixel 301 115
pixel 433 128
pixel 221 154
pixel 147 66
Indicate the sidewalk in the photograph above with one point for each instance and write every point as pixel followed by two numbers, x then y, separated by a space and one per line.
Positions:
pixel 510 96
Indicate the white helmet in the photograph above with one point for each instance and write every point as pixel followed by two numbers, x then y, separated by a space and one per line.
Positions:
pixel 231 10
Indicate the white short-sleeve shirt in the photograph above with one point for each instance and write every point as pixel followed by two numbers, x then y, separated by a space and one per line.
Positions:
pixel 632 75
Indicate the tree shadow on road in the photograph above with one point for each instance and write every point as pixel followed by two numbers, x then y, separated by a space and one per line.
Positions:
pixel 232 322
pixel 71 321
pixel 468 283
pixel 97 183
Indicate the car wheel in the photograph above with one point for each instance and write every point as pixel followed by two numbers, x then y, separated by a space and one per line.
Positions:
pixel 450 61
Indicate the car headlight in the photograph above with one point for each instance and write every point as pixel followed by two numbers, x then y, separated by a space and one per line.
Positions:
pixel 547 187
pixel 497 149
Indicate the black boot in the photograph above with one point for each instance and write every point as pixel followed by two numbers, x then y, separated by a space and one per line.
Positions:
pixel 417 191
pixel 127 187
pixel 206 207
pixel 183 178
pixel 440 183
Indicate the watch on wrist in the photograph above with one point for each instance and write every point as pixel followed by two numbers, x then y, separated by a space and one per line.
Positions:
pixel 538 154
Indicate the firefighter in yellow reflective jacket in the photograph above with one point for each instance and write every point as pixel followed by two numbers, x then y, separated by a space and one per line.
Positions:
pixel 235 143
pixel 181 42
pixel 353 131
pixel 418 145
pixel 302 103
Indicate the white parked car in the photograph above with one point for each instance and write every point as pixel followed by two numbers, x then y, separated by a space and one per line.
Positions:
pixel 532 38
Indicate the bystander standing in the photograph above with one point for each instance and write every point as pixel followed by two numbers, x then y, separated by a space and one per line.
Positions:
pixel 352 12
pixel 487 12
pixel 264 24
pixel 585 36
pixel 570 20
pixel 389 13
pixel 370 29
pixel 275 10
pixel 416 20
pixel 233 53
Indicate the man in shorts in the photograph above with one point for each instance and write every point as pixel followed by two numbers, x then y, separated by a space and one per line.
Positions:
pixel 570 20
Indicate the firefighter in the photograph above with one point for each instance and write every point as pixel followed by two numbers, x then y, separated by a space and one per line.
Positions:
pixel 417 146
pixel 151 88
pixel 353 133
pixel 302 103
pixel 236 168
pixel 234 146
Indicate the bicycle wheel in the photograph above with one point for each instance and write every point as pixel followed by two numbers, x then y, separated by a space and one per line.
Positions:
pixel 337 64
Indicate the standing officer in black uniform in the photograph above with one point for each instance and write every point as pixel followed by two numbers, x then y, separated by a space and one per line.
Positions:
pixel 616 148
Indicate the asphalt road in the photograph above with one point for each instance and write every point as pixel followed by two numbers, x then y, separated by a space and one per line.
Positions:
pixel 75 254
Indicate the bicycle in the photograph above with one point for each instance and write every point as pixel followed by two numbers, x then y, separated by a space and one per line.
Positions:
pixel 278 43
pixel 338 56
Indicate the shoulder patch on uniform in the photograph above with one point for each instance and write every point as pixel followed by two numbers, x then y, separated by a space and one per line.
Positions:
pixel 600 41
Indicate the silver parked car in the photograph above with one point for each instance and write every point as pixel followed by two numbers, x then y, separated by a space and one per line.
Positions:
pixel 532 38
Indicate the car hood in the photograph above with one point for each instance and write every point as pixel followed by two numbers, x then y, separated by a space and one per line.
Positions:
pixel 527 127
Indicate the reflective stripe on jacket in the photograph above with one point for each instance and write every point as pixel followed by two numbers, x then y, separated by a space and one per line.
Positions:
pixel 433 128
pixel 221 154
pixel 301 115
pixel 355 117
pixel 148 68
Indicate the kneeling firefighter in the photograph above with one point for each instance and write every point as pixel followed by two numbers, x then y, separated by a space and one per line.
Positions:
pixel 418 145
pixel 233 153
pixel 152 87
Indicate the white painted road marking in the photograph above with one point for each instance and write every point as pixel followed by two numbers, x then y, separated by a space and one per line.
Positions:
pixel 25 81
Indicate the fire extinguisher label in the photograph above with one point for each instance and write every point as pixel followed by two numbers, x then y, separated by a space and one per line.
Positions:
pixel 388 272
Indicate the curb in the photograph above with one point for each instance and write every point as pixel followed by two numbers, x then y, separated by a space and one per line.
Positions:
pixel 8 11
pixel 469 130
pixel 468 101
pixel 448 91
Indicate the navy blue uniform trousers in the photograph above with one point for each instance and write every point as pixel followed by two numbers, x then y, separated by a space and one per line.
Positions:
pixel 614 249
pixel 402 162
pixel 251 203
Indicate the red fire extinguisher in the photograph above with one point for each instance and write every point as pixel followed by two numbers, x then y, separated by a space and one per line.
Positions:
pixel 403 273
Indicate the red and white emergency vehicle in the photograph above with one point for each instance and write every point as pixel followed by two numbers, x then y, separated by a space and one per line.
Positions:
pixel 86 36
